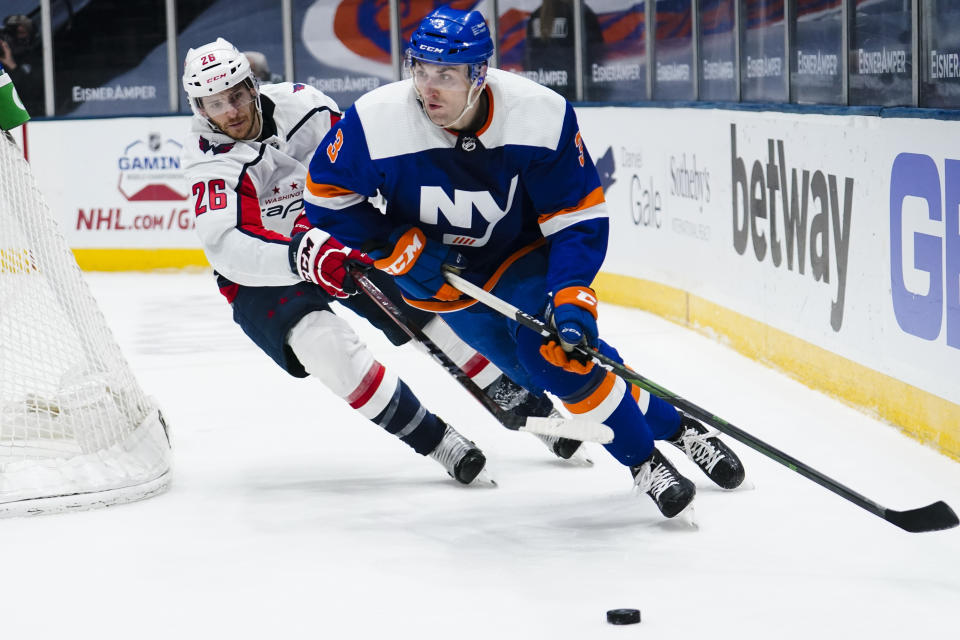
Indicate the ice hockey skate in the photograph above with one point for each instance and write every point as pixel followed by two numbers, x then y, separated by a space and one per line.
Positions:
pixel 513 398
pixel 709 453
pixel 462 459
pixel 657 478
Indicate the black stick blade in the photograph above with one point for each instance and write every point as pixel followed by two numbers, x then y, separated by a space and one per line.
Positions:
pixel 933 517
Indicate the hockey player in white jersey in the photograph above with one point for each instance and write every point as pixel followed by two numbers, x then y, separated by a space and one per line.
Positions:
pixel 245 160
pixel 485 172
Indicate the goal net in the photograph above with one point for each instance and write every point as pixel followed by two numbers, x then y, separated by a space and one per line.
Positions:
pixel 76 429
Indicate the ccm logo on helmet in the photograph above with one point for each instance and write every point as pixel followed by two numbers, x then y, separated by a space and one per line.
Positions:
pixel 427 47
pixel 215 78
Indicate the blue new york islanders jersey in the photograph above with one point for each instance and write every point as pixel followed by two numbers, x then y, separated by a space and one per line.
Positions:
pixel 523 179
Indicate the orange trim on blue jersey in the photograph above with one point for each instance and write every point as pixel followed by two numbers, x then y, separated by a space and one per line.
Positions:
pixel 326 190
pixel 486 124
pixel 593 400
pixel 437 306
pixel 592 199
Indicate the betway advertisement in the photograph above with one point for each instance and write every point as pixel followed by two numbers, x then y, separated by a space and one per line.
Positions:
pixel 843 231
pixel 115 183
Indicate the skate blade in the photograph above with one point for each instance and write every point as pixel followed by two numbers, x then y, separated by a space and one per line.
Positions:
pixel 686 519
pixel 483 479
pixel 578 459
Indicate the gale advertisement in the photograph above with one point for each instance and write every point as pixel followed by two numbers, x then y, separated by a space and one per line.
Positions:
pixel 115 183
pixel 843 231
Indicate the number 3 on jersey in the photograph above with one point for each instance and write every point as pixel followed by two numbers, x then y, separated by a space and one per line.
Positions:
pixel 218 199
pixel 333 149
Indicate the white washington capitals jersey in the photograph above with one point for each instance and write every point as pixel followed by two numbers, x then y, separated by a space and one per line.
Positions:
pixel 247 195
pixel 523 176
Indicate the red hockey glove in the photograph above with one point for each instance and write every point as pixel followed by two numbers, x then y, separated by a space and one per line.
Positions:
pixel 574 314
pixel 302 225
pixel 319 258
pixel 418 262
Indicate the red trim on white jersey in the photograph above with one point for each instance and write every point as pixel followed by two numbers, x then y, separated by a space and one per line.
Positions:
pixel 250 219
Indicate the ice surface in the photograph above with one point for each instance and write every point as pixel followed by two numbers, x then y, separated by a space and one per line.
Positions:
pixel 292 517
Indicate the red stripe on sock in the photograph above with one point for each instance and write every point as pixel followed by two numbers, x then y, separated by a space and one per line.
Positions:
pixel 367 387
pixel 475 365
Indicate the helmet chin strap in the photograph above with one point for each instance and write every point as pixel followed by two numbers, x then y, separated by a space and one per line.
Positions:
pixel 259 116
pixel 473 95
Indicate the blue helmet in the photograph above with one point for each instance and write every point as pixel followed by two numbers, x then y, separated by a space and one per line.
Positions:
pixel 450 36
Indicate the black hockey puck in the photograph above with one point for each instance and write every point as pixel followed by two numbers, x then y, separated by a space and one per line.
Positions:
pixel 623 616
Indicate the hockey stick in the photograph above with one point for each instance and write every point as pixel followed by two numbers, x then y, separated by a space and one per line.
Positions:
pixel 932 517
pixel 560 427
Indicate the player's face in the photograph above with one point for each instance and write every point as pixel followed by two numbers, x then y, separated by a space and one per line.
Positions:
pixel 444 89
pixel 234 111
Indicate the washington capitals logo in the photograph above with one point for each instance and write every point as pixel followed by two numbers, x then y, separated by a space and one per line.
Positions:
pixel 206 145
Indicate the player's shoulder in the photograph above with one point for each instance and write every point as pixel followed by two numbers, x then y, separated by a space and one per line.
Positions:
pixel 297 96
pixel 392 122
pixel 204 148
pixel 391 105
pixel 525 93
pixel 524 113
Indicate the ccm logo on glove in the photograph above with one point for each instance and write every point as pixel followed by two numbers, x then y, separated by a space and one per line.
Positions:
pixel 418 262
pixel 405 253
pixel 323 260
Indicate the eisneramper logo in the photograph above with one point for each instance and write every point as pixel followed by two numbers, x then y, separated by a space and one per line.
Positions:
pixel 815 209
pixel 150 170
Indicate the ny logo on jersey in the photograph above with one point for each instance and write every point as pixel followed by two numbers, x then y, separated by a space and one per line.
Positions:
pixel 459 211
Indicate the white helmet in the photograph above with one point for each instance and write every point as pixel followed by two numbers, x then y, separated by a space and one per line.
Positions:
pixel 213 68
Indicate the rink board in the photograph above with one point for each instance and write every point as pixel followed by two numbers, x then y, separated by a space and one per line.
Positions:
pixel 825 245
pixel 849 281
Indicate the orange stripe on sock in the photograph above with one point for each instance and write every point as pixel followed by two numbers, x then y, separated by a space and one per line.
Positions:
pixel 594 399
pixel 635 391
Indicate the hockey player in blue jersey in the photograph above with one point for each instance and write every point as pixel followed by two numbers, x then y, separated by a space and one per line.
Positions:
pixel 485 172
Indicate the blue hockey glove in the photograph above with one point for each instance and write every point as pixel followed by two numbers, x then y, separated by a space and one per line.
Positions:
pixel 417 263
pixel 575 317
